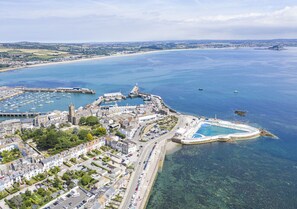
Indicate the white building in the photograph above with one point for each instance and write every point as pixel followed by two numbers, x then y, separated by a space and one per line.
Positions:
pixel 147 118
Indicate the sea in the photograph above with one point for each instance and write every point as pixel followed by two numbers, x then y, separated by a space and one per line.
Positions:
pixel 257 174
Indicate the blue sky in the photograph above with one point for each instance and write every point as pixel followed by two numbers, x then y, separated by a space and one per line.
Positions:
pixel 142 20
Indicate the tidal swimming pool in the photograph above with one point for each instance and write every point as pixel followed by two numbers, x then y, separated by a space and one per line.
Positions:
pixel 213 130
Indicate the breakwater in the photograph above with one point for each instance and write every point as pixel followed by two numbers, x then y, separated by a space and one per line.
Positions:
pixel 59 90
pixel 19 114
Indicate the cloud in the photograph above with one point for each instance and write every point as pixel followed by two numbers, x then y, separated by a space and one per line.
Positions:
pixel 116 20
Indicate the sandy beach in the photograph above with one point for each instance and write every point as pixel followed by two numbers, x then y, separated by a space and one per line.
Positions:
pixel 172 147
pixel 92 58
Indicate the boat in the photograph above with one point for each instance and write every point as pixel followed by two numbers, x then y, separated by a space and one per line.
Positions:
pixel 235 91
pixel 200 89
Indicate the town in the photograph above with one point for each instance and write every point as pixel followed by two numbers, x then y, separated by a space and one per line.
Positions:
pixel 79 158
pixel 102 155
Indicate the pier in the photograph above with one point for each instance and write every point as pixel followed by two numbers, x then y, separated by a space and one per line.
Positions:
pixel 59 90
pixel 20 114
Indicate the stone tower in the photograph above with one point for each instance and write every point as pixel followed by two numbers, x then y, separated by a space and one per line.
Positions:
pixel 71 114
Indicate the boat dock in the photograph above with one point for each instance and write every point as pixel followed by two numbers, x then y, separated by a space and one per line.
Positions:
pixel 59 90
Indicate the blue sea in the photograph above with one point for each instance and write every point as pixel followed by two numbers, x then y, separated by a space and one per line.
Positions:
pixel 259 173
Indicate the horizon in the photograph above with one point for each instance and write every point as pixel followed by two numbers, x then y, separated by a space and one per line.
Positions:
pixel 148 41
pixel 114 21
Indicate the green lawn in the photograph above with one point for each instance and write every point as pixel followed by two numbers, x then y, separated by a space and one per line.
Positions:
pixel 9 156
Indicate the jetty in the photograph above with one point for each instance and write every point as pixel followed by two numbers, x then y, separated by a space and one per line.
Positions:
pixel 59 90
pixel 20 114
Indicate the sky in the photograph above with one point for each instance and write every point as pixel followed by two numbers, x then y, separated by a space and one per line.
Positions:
pixel 145 20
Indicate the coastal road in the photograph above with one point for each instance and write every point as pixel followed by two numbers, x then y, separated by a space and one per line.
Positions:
pixel 140 164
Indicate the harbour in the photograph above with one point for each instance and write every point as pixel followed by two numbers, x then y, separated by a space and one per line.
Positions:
pixel 222 170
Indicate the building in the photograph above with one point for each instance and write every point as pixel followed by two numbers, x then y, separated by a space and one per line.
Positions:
pixel 71 115
pixel 147 118
pixel 124 146
pixel 40 120
pixel 113 96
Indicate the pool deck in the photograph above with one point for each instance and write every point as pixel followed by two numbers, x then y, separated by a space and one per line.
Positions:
pixel 195 124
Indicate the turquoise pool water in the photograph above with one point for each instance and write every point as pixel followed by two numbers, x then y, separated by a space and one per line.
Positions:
pixel 211 130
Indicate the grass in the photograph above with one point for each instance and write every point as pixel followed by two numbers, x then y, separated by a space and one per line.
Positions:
pixel 36 52
pixel 3 194
pixel 13 190
pixel 168 123
pixel 83 157
pixel 40 177
pixel 89 154
pixel 30 182
pixel 28 199
pixel 10 155
pixel 73 160
pixel 97 152
pixel 67 164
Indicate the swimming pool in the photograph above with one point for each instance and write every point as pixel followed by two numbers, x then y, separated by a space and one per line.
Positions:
pixel 213 130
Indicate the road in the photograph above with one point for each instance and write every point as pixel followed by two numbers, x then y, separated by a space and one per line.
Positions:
pixel 147 147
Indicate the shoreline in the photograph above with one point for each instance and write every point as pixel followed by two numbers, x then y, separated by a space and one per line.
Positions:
pixel 114 56
pixel 172 147
pixel 101 58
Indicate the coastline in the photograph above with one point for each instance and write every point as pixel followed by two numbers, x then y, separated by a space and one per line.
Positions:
pixel 97 58
pixel 172 147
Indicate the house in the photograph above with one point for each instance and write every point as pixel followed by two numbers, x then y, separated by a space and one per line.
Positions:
pixel 124 146
pixel 52 161
pixel 5 182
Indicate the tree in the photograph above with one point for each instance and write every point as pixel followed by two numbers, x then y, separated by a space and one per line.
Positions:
pixel 121 135
pixel 101 131
pixel 28 203
pixel 82 134
pixel 41 192
pixel 28 193
pixel 82 121
pixel 57 183
pixel 92 120
pixel 74 138
pixel 89 137
pixel 66 176
pixel 85 180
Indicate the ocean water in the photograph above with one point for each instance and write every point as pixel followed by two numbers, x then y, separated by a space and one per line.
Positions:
pixel 259 173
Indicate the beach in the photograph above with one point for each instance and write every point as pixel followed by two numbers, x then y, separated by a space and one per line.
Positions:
pixel 97 58
pixel 172 147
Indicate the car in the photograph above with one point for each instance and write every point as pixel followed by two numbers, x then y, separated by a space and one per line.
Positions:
pixel 55 203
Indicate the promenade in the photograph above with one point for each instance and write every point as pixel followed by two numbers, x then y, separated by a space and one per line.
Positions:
pixel 146 169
